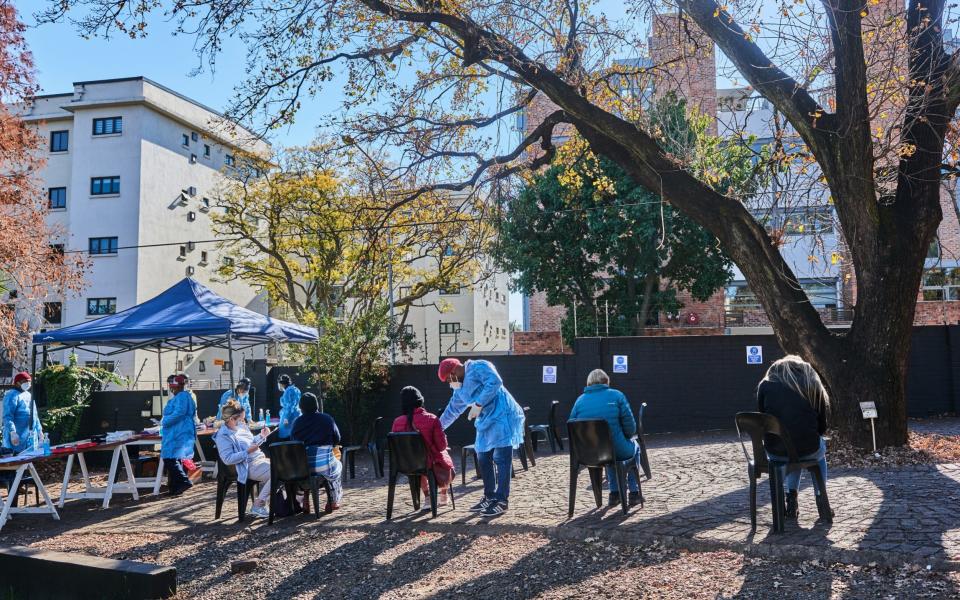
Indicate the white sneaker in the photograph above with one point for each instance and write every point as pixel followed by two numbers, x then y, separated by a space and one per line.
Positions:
pixel 259 511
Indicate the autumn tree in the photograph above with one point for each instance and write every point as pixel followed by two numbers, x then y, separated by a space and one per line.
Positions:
pixel 866 88
pixel 31 269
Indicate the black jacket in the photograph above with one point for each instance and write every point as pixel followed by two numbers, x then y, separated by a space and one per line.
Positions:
pixel 803 422
pixel 316 429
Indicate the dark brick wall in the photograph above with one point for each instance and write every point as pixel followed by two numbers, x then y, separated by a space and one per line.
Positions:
pixel 690 383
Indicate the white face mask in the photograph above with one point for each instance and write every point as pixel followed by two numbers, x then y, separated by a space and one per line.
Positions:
pixel 25 386
pixel 455 385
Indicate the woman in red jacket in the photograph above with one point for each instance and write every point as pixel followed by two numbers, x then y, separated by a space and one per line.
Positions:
pixel 415 418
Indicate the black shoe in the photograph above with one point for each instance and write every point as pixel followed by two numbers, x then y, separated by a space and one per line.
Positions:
pixel 792 506
pixel 634 498
pixel 480 506
pixel 614 499
pixel 494 509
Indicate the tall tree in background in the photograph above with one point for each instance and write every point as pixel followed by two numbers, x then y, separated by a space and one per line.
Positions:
pixel 868 88
pixel 31 270
pixel 598 241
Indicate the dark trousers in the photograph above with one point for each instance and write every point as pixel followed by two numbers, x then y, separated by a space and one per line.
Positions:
pixel 177 480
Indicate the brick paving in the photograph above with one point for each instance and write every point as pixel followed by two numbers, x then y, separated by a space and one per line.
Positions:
pixel 696 500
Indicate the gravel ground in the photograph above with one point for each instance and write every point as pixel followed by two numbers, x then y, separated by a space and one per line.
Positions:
pixel 394 564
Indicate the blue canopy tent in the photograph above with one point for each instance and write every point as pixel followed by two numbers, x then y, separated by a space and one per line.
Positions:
pixel 188 316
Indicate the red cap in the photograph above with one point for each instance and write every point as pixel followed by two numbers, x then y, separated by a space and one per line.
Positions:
pixel 20 377
pixel 181 381
pixel 447 366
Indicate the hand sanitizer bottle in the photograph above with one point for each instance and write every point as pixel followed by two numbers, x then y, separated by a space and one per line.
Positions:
pixel 267 422
pixel 46 444
pixel 260 415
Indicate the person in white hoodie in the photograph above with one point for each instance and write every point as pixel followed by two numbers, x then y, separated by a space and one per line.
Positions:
pixel 238 446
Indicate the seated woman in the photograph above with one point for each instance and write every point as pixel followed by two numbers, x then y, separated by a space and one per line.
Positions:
pixel 237 446
pixel 415 418
pixel 600 401
pixel 318 432
pixel 792 392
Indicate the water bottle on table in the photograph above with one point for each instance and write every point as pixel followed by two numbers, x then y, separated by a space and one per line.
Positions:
pixel 267 422
pixel 46 444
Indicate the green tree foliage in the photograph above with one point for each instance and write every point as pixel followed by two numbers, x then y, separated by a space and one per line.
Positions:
pixel 68 389
pixel 587 234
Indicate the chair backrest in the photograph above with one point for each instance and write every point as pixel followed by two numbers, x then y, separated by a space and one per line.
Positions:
pixel 225 471
pixel 590 442
pixel 757 425
pixel 408 452
pixel 553 413
pixel 289 461
pixel 643 408
pixel 526 419
pixel 371 434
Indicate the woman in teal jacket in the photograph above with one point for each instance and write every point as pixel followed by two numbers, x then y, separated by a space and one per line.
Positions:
pixel 289 406
pixel 600 401
pixel 178 435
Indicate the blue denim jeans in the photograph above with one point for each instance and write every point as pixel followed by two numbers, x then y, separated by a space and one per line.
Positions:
pixel 792 481
pixel 496 482
pixel 631 480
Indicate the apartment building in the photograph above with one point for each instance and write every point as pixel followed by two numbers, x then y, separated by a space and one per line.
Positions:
pixel 465 321
pixel 132 174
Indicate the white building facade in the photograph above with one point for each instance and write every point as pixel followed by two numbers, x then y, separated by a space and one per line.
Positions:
pixel 132 174
pixel 466 321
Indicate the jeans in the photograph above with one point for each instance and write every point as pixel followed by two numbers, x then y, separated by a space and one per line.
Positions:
pixel 631 479
pixel 176 475
pixel 496 485
pixel 792 481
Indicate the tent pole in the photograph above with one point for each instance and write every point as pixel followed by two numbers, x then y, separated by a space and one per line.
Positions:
pixel 159 375
pixel 33 375
pixel 230 358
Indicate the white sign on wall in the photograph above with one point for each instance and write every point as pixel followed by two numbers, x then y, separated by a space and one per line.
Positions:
pixel 869 410
pixel 754 355
pixel 619 363
pixel 549 374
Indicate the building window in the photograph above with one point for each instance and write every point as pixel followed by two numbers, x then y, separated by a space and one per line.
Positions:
pixel 452 291
pixel 57 197
pixel 941 284
pixel 408 329
pixel 822 294
pixel 203 257
pixel 226 365
pixel 934 250
pixel 103 245
pixel 180 365
pixel 809 220
pixel 53 312
pixel 228 159
pixel 100 186
pixel 194 136
pixel 202 366
pixel 106 365
pixel 59 141
pixel 184 140
pixel 108 126
pixel 101 306
pixel 405 291
pixel 227 261
pixel 739 296
pixel 183 251
pixel 449 328
pixel 206 150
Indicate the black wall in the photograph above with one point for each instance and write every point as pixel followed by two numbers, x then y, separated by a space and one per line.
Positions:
pixel 690 383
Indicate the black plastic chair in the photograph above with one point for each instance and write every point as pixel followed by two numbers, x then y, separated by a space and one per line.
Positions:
pixel 227 476
pixel 288 466
pixel 644 461
pixel 471 450
pixel 591 445
pixel 408 455
pixel 26 482
pixel 757 425
pixel 550 431
pixel 371 444
pixel 527 440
